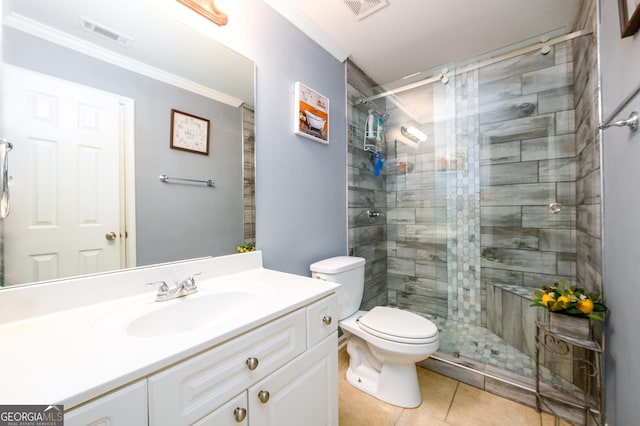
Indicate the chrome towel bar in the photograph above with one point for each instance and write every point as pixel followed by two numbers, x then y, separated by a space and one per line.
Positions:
pixel 167 179
pixel 631 122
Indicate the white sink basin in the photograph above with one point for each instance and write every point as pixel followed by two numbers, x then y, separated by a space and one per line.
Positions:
pixel 190 313
pixel 180 315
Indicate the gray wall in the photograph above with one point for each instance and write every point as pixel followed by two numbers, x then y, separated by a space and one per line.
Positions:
pixel 301 211
pixel 173 221
pixel 620 68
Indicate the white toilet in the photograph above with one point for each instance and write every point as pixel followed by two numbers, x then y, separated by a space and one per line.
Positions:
pixel 384 343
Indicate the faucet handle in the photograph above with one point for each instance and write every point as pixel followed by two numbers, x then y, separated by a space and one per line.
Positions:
pixel 163 288
pixel 190 283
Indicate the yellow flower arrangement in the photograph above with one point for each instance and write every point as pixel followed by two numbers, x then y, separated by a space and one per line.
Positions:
pixel 246 247
pixel 574 301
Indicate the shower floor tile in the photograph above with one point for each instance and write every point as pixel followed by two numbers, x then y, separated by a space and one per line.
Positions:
pixel 484 347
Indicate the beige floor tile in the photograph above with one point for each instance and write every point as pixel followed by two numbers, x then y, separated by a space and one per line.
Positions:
pixel 472 406
pixel 416 417
pixel 437 393
pixel 549 420
pixel 357 408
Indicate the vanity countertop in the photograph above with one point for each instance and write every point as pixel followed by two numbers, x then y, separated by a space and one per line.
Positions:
pixel 73 355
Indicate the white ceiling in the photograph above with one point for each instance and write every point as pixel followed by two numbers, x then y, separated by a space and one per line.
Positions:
pixel 410 36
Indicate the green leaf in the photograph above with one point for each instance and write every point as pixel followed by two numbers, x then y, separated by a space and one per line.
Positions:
pixel 562 285
pixel 595 317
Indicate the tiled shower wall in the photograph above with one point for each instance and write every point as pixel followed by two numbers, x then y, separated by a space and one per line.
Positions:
pixel 476 194
pixel 249 185
pixel 366 192
pixel 586 101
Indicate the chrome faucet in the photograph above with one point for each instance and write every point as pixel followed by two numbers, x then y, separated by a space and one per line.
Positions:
pixel 182 288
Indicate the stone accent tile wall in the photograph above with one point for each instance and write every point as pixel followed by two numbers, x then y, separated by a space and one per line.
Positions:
pixel 367 238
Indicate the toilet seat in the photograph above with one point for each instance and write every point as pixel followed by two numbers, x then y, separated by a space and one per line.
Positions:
pixel 398 326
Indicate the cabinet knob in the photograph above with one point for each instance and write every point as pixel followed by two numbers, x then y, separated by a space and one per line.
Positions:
pixel 263 396
pixel 240 414
pixel 252 363
pixel 326 320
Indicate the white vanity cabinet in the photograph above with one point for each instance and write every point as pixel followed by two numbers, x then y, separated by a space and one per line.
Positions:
pixel 124 407
pixel 268 376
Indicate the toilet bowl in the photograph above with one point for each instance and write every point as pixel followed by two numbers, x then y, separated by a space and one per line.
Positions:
pixel 384 343
pixel 382 362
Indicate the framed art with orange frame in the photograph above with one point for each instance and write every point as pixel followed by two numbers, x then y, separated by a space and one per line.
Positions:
pixel 311 114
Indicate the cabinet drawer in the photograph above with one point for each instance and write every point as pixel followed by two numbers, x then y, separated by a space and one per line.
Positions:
pixel 125 407
pixel 322 319
pixel 194 388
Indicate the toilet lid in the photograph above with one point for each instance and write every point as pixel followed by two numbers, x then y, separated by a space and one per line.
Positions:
pixel 398 325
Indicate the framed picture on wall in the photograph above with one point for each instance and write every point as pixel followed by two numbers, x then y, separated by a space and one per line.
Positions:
pixel 311 115
pixel 189 132
pixel 629 11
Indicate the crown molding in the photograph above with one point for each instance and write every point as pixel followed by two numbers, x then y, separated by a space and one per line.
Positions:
pixel 37 29
pixel 307 26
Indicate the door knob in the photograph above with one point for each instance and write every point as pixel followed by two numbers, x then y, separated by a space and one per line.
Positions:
pixel 110 236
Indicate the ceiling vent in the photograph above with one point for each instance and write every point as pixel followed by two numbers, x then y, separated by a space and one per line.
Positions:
pixel 364 8
pixel 105 32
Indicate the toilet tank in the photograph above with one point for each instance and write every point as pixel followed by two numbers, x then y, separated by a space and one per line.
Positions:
pixel 349 272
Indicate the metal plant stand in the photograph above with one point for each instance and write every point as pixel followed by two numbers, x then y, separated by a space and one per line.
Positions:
pixel 590 365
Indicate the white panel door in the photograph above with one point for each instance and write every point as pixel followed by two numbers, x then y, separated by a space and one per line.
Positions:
pixel 64 178
pixel 303 392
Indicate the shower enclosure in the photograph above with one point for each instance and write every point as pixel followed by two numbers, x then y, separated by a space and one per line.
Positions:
pixel 502 197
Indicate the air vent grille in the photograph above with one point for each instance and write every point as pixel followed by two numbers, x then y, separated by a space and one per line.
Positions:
pixel 105 32
pixel 364 8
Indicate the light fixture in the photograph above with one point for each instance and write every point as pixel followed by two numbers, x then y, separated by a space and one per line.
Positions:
pixel 208 9
pixel 413 133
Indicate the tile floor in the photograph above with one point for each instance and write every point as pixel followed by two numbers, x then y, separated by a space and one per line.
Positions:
pixel 445 402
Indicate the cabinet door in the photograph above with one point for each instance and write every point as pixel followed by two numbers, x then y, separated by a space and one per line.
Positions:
pixel 303 392
pixel 233 413
pixel 125 407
